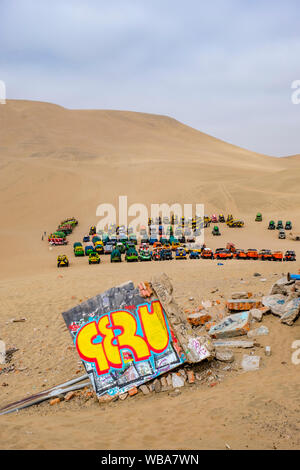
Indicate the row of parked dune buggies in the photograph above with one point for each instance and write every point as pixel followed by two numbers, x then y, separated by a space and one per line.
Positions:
pixel 65 228
pixel 163 252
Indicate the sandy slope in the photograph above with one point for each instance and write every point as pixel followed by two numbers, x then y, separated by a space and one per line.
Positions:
pixel 56 163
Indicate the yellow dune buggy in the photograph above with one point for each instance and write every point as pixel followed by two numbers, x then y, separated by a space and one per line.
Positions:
pixel 62 261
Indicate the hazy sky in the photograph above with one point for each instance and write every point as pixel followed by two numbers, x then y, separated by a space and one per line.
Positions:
pixel 224 67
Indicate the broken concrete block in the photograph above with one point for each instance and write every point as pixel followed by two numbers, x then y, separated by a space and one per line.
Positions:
pixel 198 318
pixel 144 389
pixel 233 325
pixel 291 312
pixel 256 314
pixel 69 396
pixel 250 363
pixel 241 295
pixel 191 377
pixel 225 343
pixel 261 331
pixel 177 381
pixel 164 384
pixel 169 380
pixel 224 355
pixel 157 385
pixel 275 302
pixel 123 396
pixel 163 288
pixel 292 296
pixel 199 348
pixel 107 398
pixel 240 305
pixel 281 286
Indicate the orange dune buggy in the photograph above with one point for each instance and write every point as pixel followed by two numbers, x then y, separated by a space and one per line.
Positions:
pixel 252 253
pixel 207 253
pixel 240 254
pixel 265 255
pixel 277 256
pixel 223 254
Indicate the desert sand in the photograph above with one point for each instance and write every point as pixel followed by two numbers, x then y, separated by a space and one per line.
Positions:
pixel 57 163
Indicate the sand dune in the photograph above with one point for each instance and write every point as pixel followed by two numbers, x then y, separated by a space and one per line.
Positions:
pixel 56 163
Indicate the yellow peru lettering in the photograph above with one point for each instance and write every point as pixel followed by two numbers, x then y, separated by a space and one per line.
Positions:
pixel 154 326
pixel 112 352
pixel 128 338
pixel 90 352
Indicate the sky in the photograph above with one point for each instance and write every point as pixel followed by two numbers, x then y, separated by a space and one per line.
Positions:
pixel 225 67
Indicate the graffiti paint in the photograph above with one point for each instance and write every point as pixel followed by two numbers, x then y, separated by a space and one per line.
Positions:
pixel 122 339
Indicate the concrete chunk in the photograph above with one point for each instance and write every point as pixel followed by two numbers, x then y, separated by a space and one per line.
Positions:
pixel 224 355
pixel 198 318
pixel 257 314
pixel 275 302
pixel 261 331
pixel 250 363
pixel 241 295
pixel 224 343
pixel 291 312
pixel 199 348
pixel 281 286
pixel 177 381
pixel 233 325
pixel 144 389
pixel 240 305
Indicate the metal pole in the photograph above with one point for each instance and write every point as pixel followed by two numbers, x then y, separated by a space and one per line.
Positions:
pixel 52 394
pixel 46 393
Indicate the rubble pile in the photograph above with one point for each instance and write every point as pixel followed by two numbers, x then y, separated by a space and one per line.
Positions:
pixel 284 300
pixel 210 335
pixel 207 342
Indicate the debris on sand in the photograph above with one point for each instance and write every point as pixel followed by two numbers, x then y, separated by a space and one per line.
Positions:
pixel 171 348
pixel 291 311
pixel 250 363
pixel 283 286
pixel 224 355
pixel 275 303
pixel 284 299
pixel 177 381
pixel 199 318
pixel 241 295
pixel 261 331
pixel 239 305
pixel 233 325
pixel 225 343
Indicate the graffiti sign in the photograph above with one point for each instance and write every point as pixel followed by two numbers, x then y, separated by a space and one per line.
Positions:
pixel 122 339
